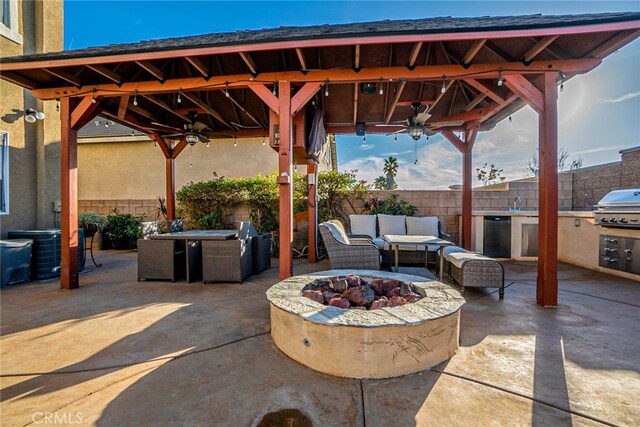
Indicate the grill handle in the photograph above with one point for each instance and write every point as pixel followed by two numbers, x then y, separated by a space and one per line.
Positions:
pixel 628 254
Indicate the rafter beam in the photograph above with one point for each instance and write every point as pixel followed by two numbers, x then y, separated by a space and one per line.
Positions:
pixel 427 72
pixel 18 80
pixel 415 51
pixel 61 74
pixel 538 47
pixel 454 140
pixel 483 89
pixel 160 103
pixel 200 66
pixel 410 102
pixel 526 91
pixel 244 110
pixel 246 57
pixel 160 141
pixel 200 103
pixel 300 54
pixel 394 103
pixel 105 72
pixel 473 51
pixel 356 60
pixel 151 69
pixel 123 105
pixel 475 101
pixel 613 44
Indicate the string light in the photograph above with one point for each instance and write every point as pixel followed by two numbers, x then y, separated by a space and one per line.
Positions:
pixel 235 142
pixel 190 165
pixel 326 88
pixel 179 96
pixel 93 97
pixel 364 139
pixel 381 91
pixel 264 141
pixel 510 119
pixel 295 168
pixel 135 97
pixel 226 89
pixel 395 138
pixel 561 80
pixel 443 89
pixel 207 144
pixel 57 104
pixel 500 79
pixel 275 88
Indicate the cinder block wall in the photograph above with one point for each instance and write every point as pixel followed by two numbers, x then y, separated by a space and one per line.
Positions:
pixel 592 183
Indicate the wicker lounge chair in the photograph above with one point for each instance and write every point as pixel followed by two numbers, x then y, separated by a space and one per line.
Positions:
pixel 261 246
pixel 228 260
pixel 469 269
pixel 345 252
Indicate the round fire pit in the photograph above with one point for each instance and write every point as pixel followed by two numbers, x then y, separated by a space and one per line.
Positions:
pixel 381 343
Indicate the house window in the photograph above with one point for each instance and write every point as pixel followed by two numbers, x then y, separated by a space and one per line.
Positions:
pixel 9 20
pixel 4 173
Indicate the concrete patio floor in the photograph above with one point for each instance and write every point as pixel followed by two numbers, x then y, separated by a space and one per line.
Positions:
pixel 119 352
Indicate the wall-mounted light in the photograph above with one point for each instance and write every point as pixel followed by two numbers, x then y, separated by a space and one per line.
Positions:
pixel 31 115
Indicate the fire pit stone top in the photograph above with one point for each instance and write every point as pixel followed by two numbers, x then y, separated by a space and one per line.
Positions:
pixel 438 300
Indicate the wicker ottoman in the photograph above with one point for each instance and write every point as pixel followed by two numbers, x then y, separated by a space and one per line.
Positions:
pixel 469 269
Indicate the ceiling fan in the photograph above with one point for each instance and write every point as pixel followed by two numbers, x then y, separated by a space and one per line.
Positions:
pixel 192 131
pixel 418 124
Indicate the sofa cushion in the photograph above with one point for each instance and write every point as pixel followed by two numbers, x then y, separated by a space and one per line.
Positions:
pixel 363 224
pixel 337 232
pixel 422 226
pixel 392 224
pixel 460 258
pixel 380 243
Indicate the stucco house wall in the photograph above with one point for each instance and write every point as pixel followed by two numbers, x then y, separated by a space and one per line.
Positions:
pixel 34 153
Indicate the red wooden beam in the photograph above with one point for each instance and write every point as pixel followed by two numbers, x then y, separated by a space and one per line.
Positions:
pixel 69 274
pixel 547 280
pixel 526 91
pixel 160 142
pixel 199 66
pixel 170 187
pixel 419 73
pixel 105 72
pixel 61 74
pixel 473 51
pixel 303 63
pixel 122 107
pixel 182 144
pixel 356 93
pixel 454 140
pixel 351 129
pixel 322 42
pixel 151 69
pixel 85 111
pixel 266 95
pixel 246 57
pixel 613 44
pixel 467 179
pixel 483 89
pixel 285 180
pixel 19 80
pixel 538 47
pixel 206 107
pixel 304 94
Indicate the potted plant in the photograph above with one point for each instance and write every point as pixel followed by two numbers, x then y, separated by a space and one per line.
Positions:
pixel 122 230
pixel 91 222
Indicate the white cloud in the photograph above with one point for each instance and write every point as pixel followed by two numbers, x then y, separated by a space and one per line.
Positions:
pixel 622 98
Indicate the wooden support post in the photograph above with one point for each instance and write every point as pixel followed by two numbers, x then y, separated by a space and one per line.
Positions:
pixel 285 180
pixel 69 278
pixel 547 281
pixel 170 177
pixel 313 213
pixel 466 199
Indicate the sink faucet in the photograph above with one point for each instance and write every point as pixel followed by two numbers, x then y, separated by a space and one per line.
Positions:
pixel 517 200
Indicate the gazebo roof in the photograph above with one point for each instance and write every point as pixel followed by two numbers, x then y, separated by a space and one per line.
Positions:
pixel 407 60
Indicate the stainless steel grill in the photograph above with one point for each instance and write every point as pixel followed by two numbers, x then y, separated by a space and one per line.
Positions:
pixel 619 208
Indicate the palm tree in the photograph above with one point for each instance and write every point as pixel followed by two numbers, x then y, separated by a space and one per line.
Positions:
pixel 380 183
pixel 391 170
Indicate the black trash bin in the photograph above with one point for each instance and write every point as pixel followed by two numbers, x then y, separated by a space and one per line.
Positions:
pixel 45 259
pixel 15 261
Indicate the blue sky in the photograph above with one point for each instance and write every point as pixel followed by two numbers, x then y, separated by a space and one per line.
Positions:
pixel 599 113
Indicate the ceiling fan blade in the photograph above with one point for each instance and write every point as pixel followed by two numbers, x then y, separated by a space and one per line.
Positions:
pixel 203 138
pixel 173 135
pixel 429 132
pixel 446 123
pixel 198 126
pixel 422 117
pixel 398 131
pixel 166 127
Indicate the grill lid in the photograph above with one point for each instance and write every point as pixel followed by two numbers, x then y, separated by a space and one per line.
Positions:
pixel 621 199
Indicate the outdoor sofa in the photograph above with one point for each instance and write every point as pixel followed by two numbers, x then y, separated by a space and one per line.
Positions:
pixel 375 227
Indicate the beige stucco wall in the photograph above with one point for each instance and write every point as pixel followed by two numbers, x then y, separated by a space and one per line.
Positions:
pixel 34 176
pixel 136 170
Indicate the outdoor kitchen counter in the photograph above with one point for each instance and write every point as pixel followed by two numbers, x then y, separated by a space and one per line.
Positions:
pixel 525 212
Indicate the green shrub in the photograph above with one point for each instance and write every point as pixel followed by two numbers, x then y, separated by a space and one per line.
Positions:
pixel 122 229
pixel 392 205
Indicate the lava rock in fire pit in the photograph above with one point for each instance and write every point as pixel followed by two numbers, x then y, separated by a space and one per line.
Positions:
pixel 330 294
pixel 340 286
pixel 379 303
pixel 360 295
pixel 395 301
pixel 395 292
pixel 376 285
pixel 389 285
pixel 354 281
pixel 314 295
pixel 321 285
pixel 339 302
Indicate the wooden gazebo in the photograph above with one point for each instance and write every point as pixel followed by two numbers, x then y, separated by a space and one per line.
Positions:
pixel 469 72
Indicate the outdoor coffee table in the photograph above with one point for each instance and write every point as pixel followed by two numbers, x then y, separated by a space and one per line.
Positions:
pixel 395 240
pixel 192 240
